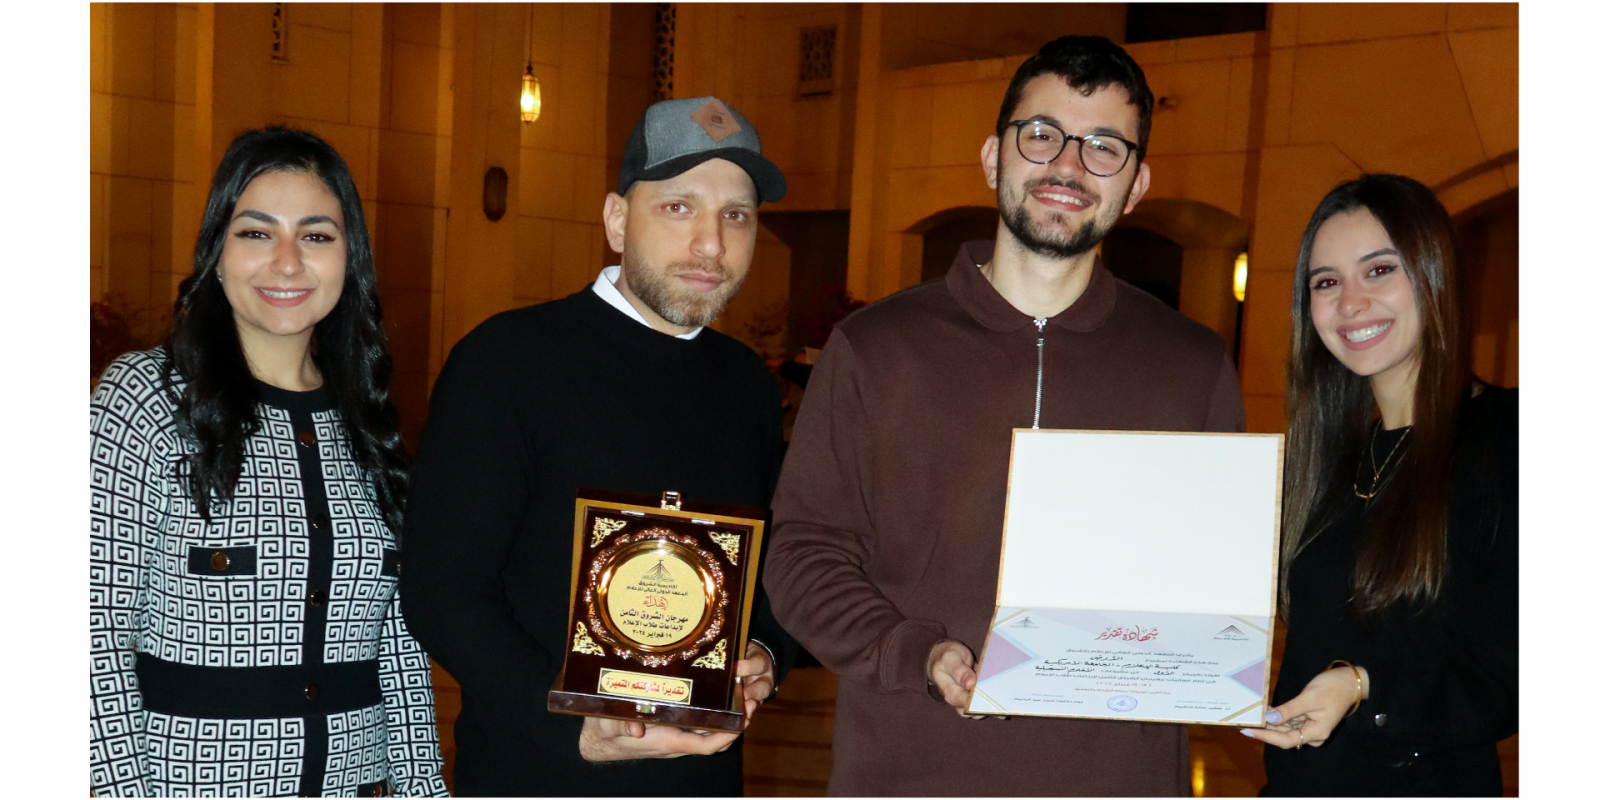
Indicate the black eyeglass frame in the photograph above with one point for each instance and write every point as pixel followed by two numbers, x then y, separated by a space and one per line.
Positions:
pixel 1066 139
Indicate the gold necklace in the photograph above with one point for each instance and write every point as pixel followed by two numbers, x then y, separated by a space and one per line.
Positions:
pixel 1372 458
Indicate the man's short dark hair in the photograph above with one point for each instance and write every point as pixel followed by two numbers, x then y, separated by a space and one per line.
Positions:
pixel 1089 64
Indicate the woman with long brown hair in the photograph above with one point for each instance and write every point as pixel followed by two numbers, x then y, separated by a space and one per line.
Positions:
pixel 1399 558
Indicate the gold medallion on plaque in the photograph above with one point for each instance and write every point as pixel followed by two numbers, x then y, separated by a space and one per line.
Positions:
pixel 662 593
pixel 655 596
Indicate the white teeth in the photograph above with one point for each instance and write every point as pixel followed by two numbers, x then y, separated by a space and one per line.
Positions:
pixel 1363 334
pixel 1062 198
pixel 284 295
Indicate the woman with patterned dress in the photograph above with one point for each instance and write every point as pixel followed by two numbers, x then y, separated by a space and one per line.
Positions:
pixel 247 479
pixel 1400 532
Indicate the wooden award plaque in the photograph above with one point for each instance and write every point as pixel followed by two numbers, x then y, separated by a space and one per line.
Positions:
pixel 660 609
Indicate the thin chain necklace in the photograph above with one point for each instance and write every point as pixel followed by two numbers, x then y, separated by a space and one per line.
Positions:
pixel 1372 458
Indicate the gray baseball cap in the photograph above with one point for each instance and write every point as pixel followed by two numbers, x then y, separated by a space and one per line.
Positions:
pixel 675 136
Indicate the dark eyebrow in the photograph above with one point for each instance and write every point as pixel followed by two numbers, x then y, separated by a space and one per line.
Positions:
pixel 1100 130
pixel 1387 251
pixel 1319 270
pixel 255 215
pixel 672 193
pixel 314 219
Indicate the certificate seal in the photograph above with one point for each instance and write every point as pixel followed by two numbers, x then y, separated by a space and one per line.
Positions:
pixel 1122 702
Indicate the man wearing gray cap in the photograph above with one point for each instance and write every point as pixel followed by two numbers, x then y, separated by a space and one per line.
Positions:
pixel 619 386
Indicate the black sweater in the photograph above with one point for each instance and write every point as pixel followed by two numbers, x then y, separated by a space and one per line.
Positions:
pixel 531 405
pixel 1444 683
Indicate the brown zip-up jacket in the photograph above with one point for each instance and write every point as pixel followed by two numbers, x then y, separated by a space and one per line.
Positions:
pixel 889 511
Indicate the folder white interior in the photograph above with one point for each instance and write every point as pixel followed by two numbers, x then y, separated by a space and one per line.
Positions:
pixel 1137 577
pixel 1142 522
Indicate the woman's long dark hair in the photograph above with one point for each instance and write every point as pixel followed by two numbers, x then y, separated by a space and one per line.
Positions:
pixel 1402 552
pixel 217 408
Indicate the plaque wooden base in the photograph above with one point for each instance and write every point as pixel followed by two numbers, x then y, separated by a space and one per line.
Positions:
pixel 660 609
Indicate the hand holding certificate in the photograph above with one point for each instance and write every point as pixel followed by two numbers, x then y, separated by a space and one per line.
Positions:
pixel 1137 579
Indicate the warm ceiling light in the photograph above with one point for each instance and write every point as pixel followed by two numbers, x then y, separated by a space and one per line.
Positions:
pixel 1241 275
pixel 531 100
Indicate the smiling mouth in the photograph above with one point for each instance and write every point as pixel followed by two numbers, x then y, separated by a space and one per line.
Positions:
pixel 1360 335
pixel 284 294
pixel 1062 198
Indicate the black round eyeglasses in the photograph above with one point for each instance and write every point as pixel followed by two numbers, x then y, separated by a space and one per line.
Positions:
pixel 1100 154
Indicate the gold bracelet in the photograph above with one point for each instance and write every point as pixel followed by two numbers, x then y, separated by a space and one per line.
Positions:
pixel 1339 662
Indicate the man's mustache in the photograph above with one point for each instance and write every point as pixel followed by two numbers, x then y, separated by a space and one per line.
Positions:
pixel 714 268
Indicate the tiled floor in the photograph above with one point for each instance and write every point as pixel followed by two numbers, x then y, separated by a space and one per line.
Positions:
pixel 786 751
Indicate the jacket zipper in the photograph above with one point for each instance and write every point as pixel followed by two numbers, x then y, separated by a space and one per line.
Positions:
pixel 1038 385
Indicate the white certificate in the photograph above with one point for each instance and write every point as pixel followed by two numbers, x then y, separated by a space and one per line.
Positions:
pixel 1138 578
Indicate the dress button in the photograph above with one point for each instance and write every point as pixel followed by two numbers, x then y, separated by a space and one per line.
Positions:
pixel 318 522
pixel 1380 720
pixel 319 597
pixel 312 691
pixel 306 438
pixel 220 561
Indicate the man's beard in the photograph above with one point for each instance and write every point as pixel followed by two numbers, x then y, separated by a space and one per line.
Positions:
pixel 680 305
pixel 1027 231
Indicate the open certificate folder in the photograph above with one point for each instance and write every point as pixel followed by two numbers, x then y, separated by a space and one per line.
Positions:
pixel 1138 578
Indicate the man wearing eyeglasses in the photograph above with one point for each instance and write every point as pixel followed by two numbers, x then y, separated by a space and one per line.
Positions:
pixel 888 517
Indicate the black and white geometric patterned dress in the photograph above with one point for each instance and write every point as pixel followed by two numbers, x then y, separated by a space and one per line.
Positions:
pixel 262 653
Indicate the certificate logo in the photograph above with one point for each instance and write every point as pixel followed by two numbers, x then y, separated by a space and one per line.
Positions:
pixel 1231 634
pixel 1122 702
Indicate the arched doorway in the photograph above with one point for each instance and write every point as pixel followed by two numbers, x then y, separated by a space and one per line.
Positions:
pixel 757 315
pixel 944 232
pixel 1208 241
pixel 1489 233
pixel 819 246
pixel 1181 251
pixel 1147 260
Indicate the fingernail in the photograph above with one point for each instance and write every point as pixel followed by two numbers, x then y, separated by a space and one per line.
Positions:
pixel 1247 732
pixel 1274 717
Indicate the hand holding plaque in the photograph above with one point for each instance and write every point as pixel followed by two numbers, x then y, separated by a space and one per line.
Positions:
pixel 660 610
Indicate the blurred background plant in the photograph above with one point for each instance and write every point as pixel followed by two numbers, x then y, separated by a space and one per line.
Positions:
pixel 779 332
pixel 116 326
pixel 767 332
pixel 791 339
